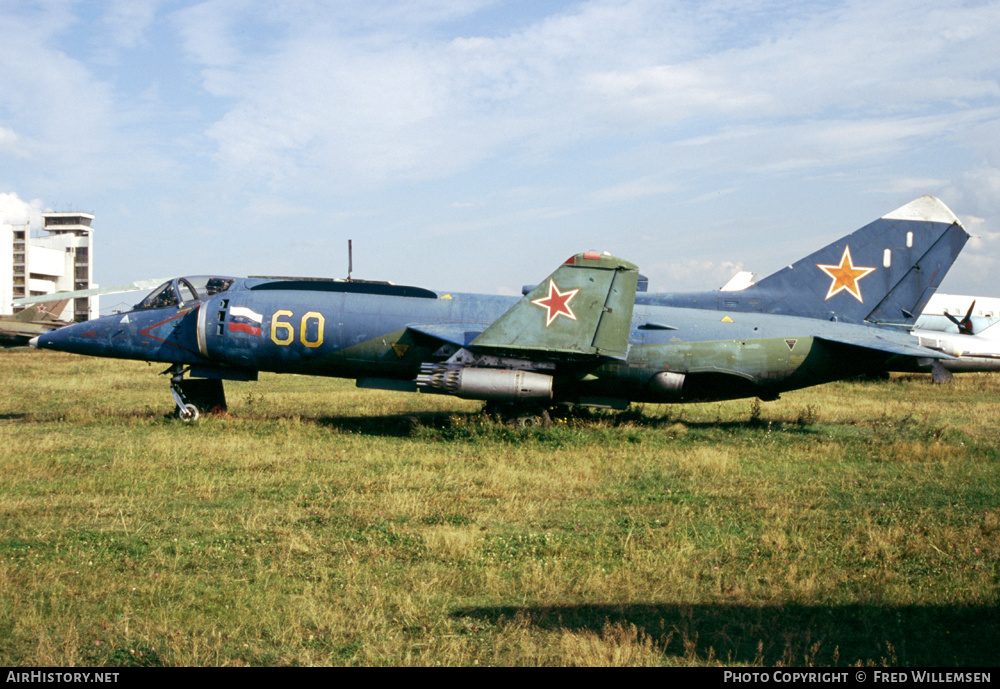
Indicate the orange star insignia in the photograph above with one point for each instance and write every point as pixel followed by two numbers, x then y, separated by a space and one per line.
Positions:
pixel 845 276
pixel 557 303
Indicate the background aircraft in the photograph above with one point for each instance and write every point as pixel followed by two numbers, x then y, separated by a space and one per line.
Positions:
pixel 43 313
pixel 19 329
pixel 972 353
pixel 972 337
pixel 582 336
pixel 955 313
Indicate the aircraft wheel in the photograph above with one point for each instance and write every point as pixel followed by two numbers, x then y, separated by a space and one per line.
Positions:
pixel 189 413
pixel 517 415
pixel 541 419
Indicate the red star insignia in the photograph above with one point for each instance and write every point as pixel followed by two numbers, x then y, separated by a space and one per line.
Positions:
pixel 845 275
pixel 557 303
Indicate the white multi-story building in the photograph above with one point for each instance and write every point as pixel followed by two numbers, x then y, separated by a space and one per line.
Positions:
pixel 61 259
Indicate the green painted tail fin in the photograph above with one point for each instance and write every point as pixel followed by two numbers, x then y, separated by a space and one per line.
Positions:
pixel 583 308
pixel 27 315
pixel 41 314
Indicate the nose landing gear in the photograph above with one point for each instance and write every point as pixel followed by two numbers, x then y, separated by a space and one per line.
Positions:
pixel 195 396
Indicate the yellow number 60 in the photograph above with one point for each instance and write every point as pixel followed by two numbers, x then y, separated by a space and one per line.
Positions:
pixel 288 332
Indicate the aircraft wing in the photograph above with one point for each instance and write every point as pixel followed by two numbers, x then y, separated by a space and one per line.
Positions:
pixel 884 343
pixel 460 334
pixel 136 286
pixel 15 331
pixel 582 310
pixel 959 345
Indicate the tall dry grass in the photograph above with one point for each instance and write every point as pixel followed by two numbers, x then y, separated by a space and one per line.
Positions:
pixel 319 524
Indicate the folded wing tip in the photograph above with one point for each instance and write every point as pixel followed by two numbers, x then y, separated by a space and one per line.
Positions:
pixel 926 208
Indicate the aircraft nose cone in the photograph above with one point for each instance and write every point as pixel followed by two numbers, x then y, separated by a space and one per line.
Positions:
pixel 90 338
pixel 61 339
pixel 42 341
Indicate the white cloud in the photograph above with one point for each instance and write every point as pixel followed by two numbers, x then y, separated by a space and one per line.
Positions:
pixel 56 114
pixel 633 189
pixel 975 196
pixel 663 94
pixel 982 237
pixel 205 33
pixel 977 193
pixel 10 144
pixel 15 211
pixel 615 113
pixel 355 96
pixel 691 274
pixel 913 186
pixel 127 21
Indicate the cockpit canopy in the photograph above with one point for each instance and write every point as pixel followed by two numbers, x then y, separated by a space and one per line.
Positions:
pixel 183 290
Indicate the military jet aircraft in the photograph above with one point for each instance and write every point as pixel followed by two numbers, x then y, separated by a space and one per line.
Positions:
pixel 582 336
pixel 19 329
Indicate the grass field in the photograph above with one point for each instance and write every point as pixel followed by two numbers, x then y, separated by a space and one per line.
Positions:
pixel 850 524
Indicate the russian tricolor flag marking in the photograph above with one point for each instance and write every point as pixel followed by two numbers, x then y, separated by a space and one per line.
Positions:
pixel 244 320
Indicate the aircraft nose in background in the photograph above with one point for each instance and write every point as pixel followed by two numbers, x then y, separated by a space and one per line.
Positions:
pixel 33 342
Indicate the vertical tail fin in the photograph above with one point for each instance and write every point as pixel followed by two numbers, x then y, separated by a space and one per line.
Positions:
pixel 583 308
pixel 29 314
pixel 43 314
pixel 884 272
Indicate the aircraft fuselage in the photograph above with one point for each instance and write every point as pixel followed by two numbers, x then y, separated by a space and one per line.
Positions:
pixel 366 332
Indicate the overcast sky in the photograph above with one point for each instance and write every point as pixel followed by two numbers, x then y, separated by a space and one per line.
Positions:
pixel 473 145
